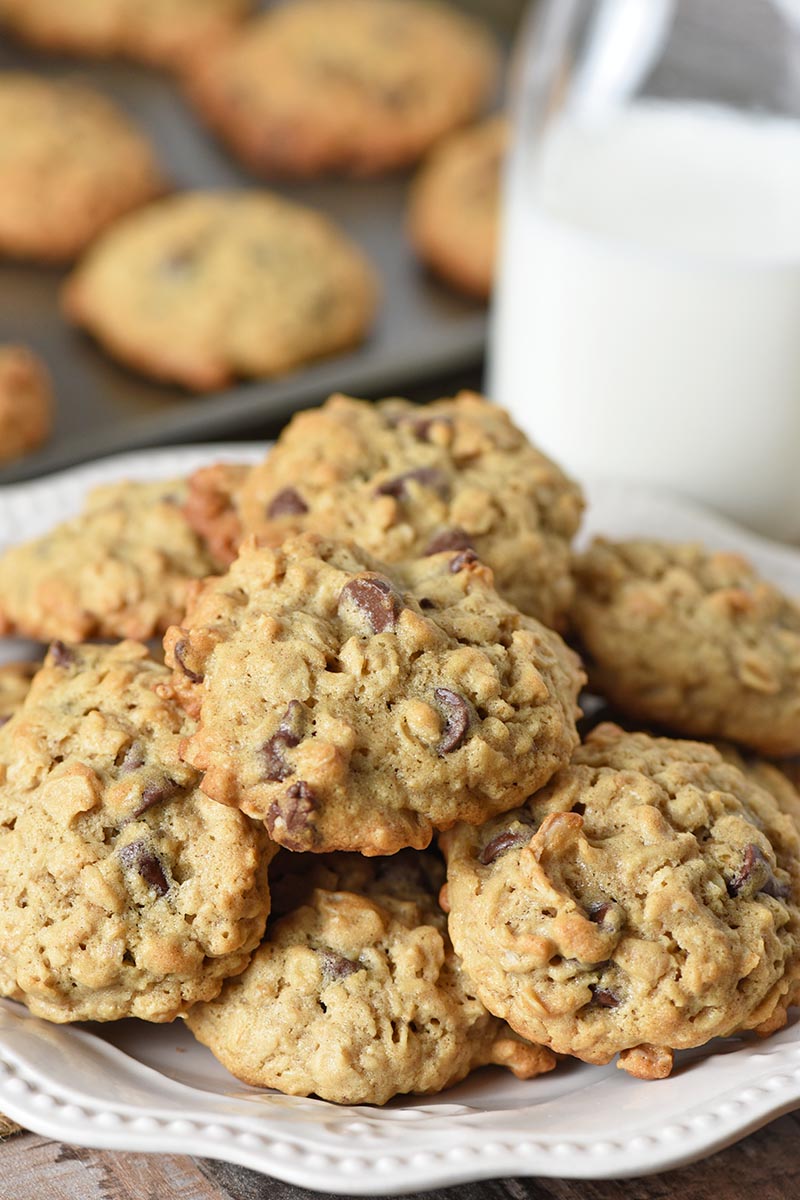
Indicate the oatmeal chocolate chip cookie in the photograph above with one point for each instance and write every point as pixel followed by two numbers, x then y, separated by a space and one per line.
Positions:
pixel 646 900
pixel 205 287
pixel 693 640
pixel 121 569
pixel 71 163
pixel 26 401
pixel 356 994
pixel 124 891
pixel 355 86
pixel 405 481
pixel 15 682
pixel 212 507
pixel 161 32
pixel 354 707
pixel 455 207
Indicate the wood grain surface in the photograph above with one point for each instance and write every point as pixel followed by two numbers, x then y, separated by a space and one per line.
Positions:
pixel 765 1166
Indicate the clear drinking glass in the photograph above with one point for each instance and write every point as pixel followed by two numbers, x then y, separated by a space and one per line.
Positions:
pixel 647 311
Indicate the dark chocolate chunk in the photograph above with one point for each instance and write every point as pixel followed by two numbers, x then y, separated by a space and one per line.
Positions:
pixel 461 560
pixel 289 733
pixel 752 876
pixel 181 648
pixel 604 997
pixel 295 811
pixel 778 891
pixel 336 966
pixel 430 477
pixel 449 539
pixel 508 839
pixel 61 655
pixel 598 912
pixel 287 503
pixel 156 791
pixel 458 717
pixel 375 598
pixel 132 759
pixel 137 856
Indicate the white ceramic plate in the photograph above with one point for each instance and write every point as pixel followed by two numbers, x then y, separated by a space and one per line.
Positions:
pixel 132 1086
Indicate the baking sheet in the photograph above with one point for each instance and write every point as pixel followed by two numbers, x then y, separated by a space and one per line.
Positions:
pixel 423 330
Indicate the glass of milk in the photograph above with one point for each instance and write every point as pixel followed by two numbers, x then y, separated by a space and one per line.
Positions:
pixel 646 323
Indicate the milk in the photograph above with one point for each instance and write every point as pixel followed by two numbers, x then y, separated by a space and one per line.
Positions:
pixel 647 316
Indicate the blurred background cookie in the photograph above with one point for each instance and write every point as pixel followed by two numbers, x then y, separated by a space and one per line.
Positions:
pixel 70 163
pixel 155 31
pixel 26 402
pixel 354 86
pixel 455 207
pixel 208 286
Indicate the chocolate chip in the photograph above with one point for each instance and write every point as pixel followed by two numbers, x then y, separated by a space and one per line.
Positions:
pixel 509 839
pixel 156 791
pixel 179 263
pixel 180 657
pixel 458 716
pixel 285 503
pixel 598 912
pixel 375 598
pixel 295 812
pixel 778 891
pixel 336 966
pixel 461 560
pixel 419 426
pixel 430 477
pixel 132 759
pixel 752 876
pixel 605 998
pixel 138 856
pixel 4 721
pixel 61 655
pixel 289 733
pixel 449 539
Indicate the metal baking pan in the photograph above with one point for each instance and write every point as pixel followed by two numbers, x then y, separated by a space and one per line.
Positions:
pixel 423 329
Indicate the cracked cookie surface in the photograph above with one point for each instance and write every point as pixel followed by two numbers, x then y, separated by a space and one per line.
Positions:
pixel 404 481
pixel 353 706
pixel 646 900
pixel 354 86
pixel 693 640
pixel 124 891
pixel 122 568
pixel 71 163
pixel 356 994
pixel 206 287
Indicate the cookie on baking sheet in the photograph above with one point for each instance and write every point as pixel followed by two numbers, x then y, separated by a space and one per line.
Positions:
pixel 646 900
pixel 15 682
pixel 354 86
pixel 26 401
pixel 124 891
pixel 454 212
pixel 161 32
pixel 693 640
pixel 120 569
pixel 353 706
pixel 205 287
pixel 71 163
pixel 356 994
pixel 404 481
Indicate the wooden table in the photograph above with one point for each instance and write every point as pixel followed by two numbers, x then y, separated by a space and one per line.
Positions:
pixel 765 1166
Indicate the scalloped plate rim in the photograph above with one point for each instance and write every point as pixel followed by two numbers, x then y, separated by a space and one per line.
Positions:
pixel 751 1091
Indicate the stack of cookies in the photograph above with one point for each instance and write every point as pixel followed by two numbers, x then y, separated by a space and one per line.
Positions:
pixel 347 827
